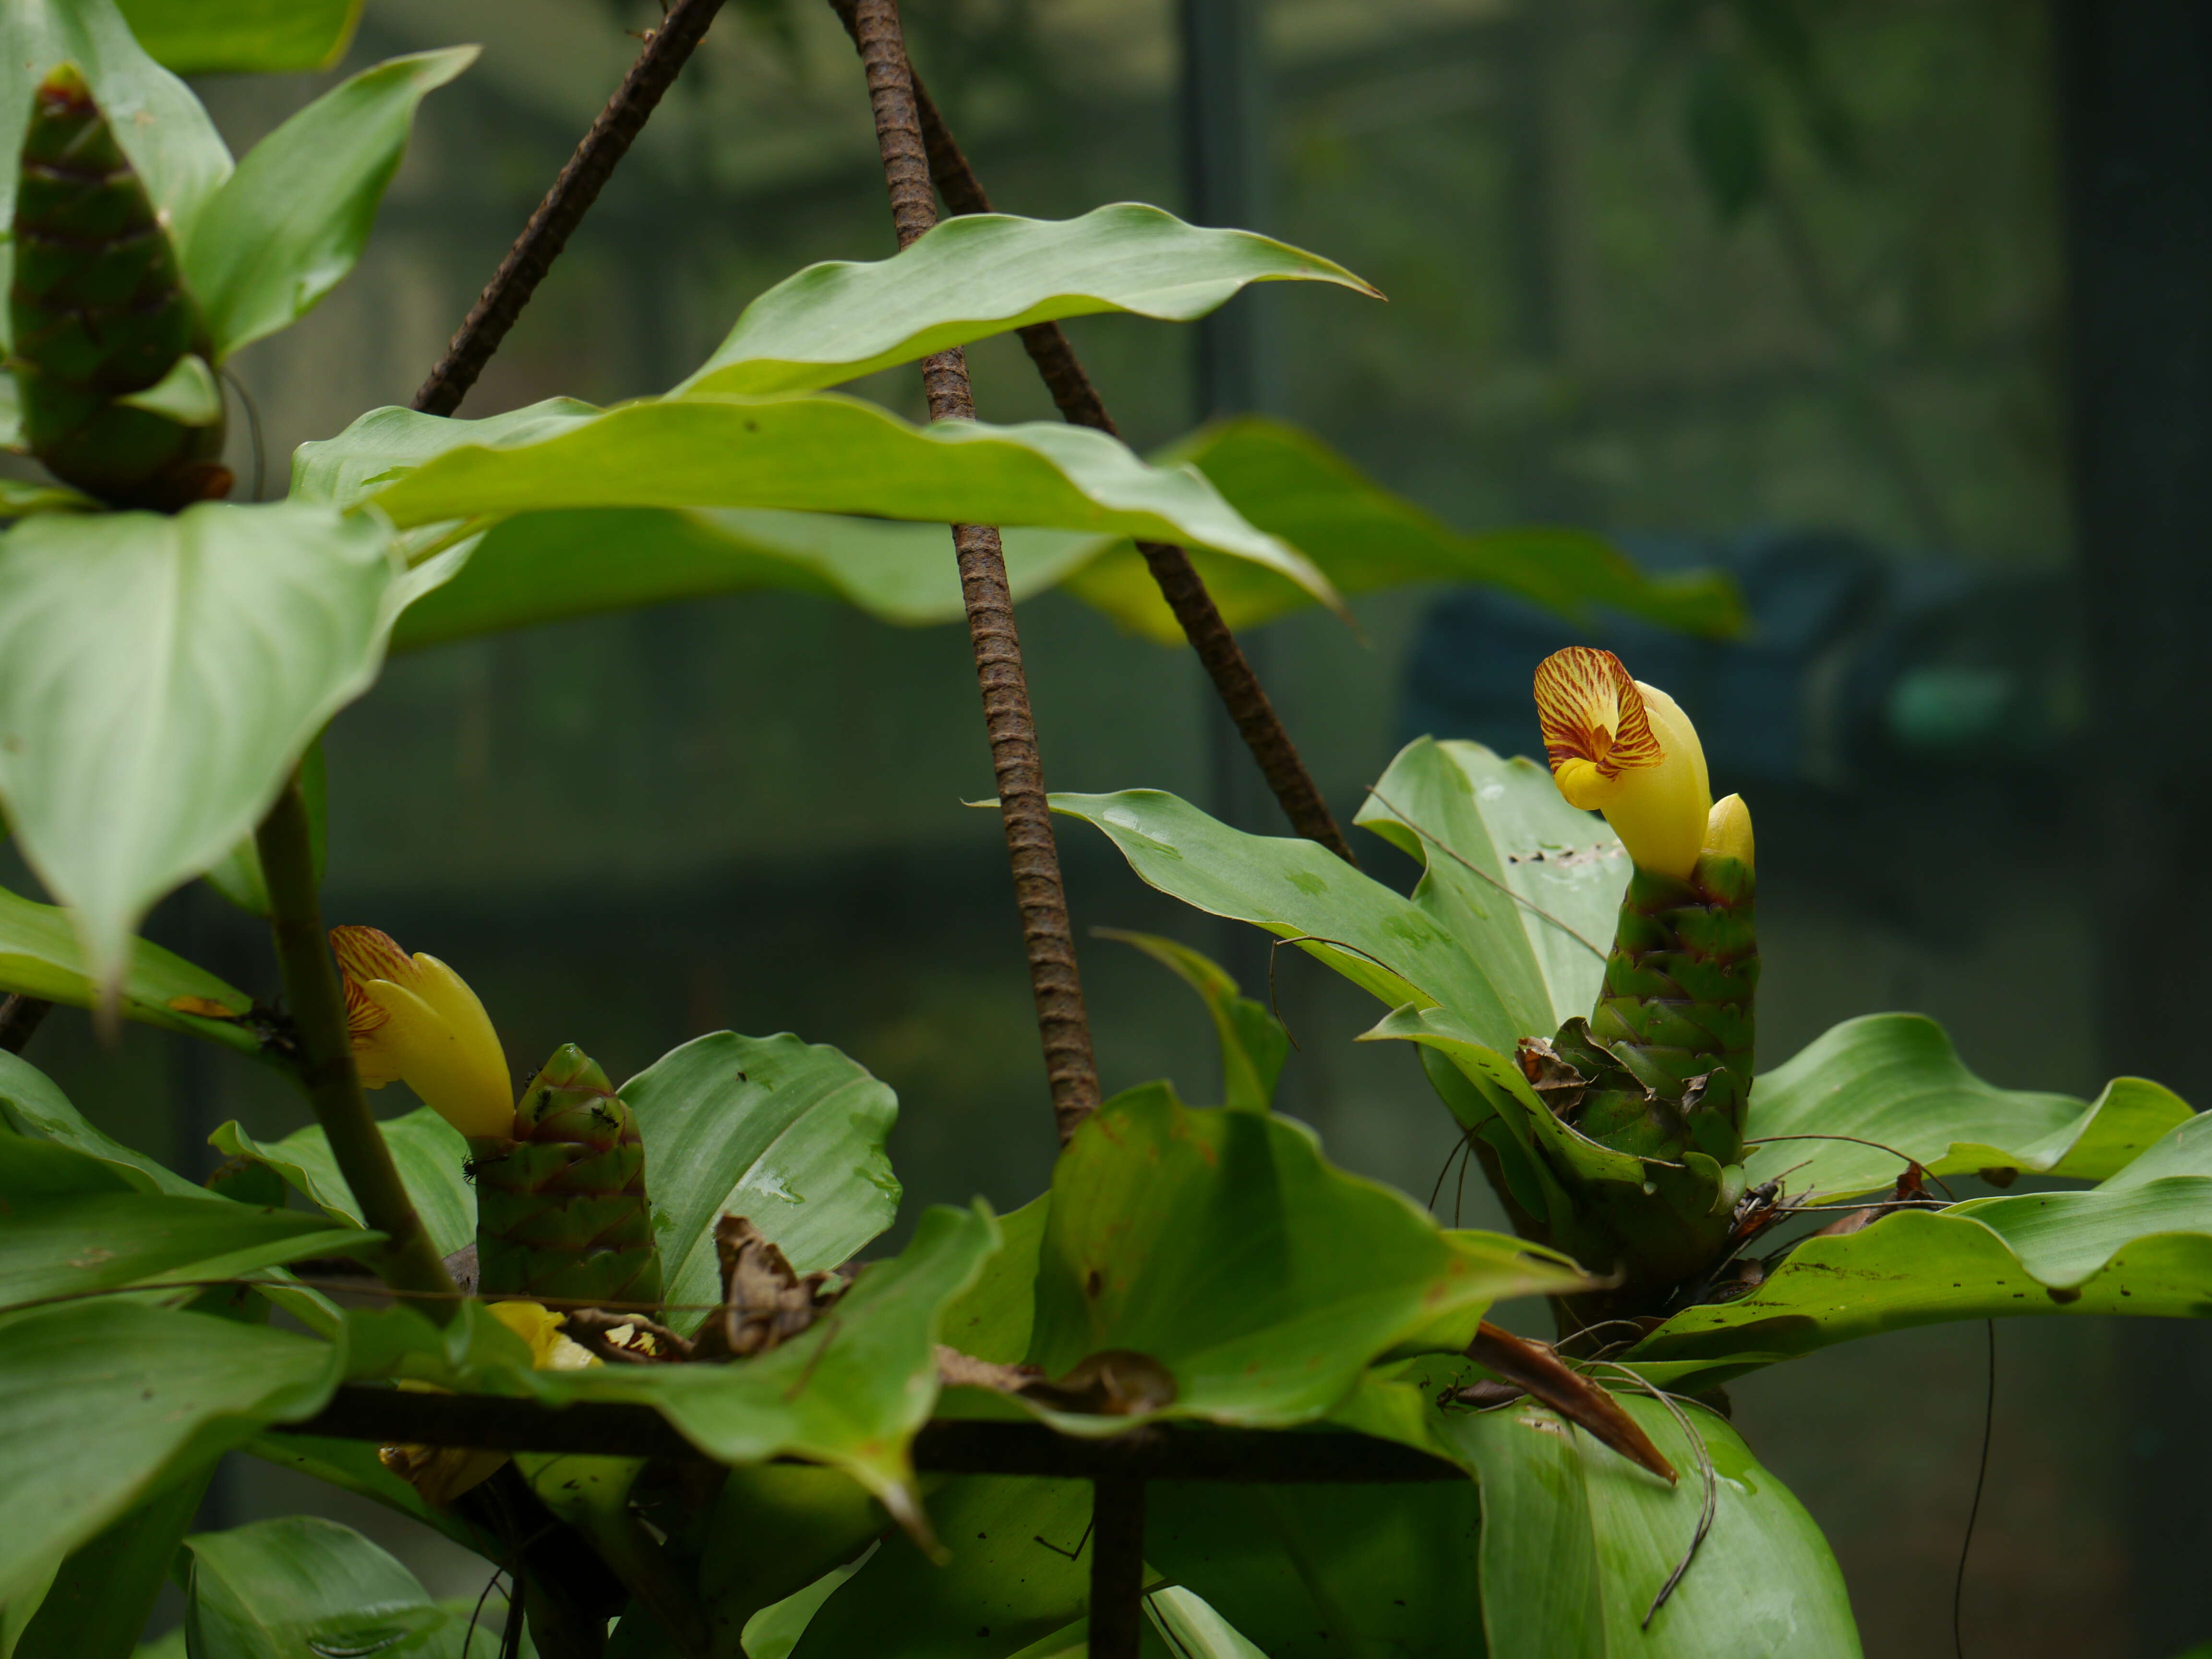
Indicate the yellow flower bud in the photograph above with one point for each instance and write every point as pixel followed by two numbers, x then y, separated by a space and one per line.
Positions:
pixel 1625 748
pixel 1728 831
pixel 550 1350
pixel 413 1018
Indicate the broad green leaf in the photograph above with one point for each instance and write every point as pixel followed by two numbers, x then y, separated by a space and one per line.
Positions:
pixel 780 1540
pixel 1894 1079
pixel 1000 1590
pixel 39 957
pixel 994 1317
pixel 159 123
pixel 103 1401
pixel 32 1107
pixel 470 1353
pixel 1365 538
pixel 19 498
pixel 159 678
pixel 244 37
pixel 429 1153
pixel 300 1585
pixel 68 1246
pixel 1223 1246
pixel 849 1393
pixel 2141 1243
pixel 290 223
pixel 786 1133
pixel 99 1601
pixel 815 453
pixel 1253 1043
pixel 543 566
pixel 1576 1542
pixel 989 273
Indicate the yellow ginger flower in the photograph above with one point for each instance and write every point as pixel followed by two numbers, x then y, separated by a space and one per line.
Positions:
pixel 1625 748
pixel 413 1019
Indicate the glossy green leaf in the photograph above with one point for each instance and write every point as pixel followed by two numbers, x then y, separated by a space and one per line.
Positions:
pixel 66 1246
pixel 1895 1079
pixel 849 1393
pixel 159 678
pixel 300 1585
pixel 39 957
pixel 989 273
pixel 543 566
pixel 1505 963
pixel 1194 1629
pixel 100 1600
pixel 787 1134
pixel 103 1401
pixel 1316 1572
pixel 353 1466
pixel 244 37
pixel 1364 538
pixel 1223 1246
pixel 19 498
pixel 1001 1590
pixel 159 123
pixel 1576 1542
pixel 781 1538
pixel 775 1631
pixel 994 1318
pixel 817 453
pixel 2139 1244
pixel 290 223
pixel 429 1153
pixel 1253 1043
pixel 35 1109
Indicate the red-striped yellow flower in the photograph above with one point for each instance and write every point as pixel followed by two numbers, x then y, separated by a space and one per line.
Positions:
pixel 413 1018
pixel 1625 748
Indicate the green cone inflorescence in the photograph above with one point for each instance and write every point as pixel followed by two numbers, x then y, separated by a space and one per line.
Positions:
pixel 560 1208
pixel 99 318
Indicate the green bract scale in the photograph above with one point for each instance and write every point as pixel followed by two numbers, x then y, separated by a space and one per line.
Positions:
pixel 561 1209
pixel 110 354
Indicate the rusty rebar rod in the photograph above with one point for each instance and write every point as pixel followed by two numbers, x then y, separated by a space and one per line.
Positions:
pixel 1181 586
pixel 666 50
pixel 1063 1024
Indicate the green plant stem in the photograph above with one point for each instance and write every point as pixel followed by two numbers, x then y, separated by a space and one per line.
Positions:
pixel 410 1262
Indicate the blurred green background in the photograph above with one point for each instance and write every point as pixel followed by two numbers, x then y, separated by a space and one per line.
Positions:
pixel 1650 270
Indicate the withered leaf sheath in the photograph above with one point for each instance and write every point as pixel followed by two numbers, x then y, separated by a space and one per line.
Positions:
pixel 562 1212
pixel 98 311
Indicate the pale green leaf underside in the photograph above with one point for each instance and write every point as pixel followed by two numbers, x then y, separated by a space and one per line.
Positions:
pixel 786 1133
pixel 159 678
pixel 989 273
pixel 2140 1243
pixel 1895 1079
pixel 291 222
pixel 815 453
pixel 429 1151
pixel 244 37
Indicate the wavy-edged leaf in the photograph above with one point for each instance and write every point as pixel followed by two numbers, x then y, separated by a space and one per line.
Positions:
pixel 244 37
pixel 789 1135
pixel 1253 1043
pixel 288 224
pixel 1365 538
pixel 2141 1243
pixel 33 1107
pixel 1224 1247
pixel 39 957
pixel 543 567
pixel 429 1153
pixel 100 1600
pixel 991 1319
pixel 816 452
pixel 159 123
pixel 988 273
pixel 1895 1079
pixel 90 1242
pixel 299 1584
pixel 103 1401
pixel 849 1393
pixel 159 678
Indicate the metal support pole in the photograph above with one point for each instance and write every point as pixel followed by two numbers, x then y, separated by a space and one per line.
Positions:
pixel 1117 1566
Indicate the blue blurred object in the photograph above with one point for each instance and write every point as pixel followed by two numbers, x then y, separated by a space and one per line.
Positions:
pixel 1854 662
